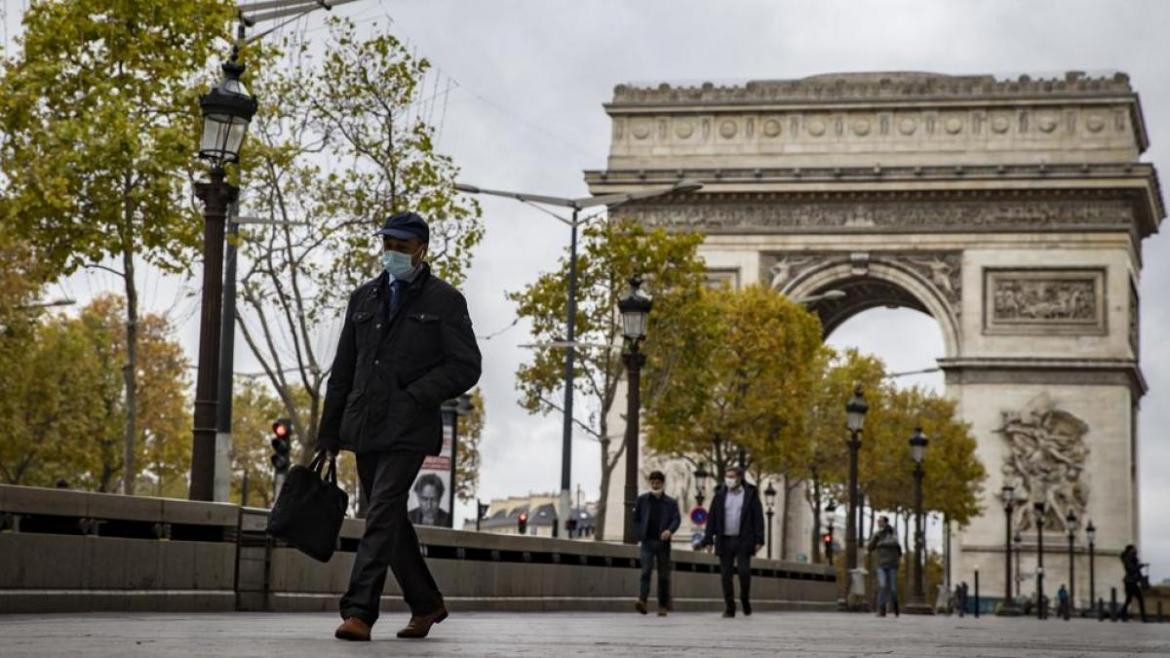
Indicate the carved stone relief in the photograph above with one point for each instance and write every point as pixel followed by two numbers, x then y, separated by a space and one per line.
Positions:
pixel 957 214
pixel 1045 461
pixel 1044 300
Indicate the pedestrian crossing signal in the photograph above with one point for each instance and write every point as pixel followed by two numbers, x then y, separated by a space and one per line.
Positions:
pixel 522 523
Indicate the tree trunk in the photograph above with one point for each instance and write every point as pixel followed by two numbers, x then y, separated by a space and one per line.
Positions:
pixel 603 493
pixel 130 370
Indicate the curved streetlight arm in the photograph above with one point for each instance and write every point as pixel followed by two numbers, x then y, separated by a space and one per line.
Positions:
pixel 583 202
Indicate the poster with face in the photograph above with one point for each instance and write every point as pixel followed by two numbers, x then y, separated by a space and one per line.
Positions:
pixel 429 502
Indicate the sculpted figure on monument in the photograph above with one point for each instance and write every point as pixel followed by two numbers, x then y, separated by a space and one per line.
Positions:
pixel 1046 458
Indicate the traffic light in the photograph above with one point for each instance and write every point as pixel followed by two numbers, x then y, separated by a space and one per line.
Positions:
pixel 483 509
pixel 828 540
pixel 522 523
pixel 281 431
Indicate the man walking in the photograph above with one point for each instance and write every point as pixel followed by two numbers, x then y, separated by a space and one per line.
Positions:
pixel 406 346
pixel 656 519
pixel 736 529
pixel 887 552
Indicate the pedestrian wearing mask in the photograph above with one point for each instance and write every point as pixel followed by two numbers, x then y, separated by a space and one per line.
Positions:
pixel 405 348
pixel 736 531
pixel 656 519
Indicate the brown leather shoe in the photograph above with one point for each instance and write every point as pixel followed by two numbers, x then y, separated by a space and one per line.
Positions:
pixel 353 629
pixel 418 627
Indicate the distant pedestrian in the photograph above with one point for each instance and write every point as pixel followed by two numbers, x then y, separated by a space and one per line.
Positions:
pixel 656 519
pixel 887 552
pixel 1062 603
pixel 736 530
pixel 961 598
pixel 1133 582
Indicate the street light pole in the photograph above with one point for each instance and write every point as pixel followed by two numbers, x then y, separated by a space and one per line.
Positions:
pixel 770 498
pixel 1091 535
pixel 576 204
pixel 855 410
pixel 1038 506
pixel 1009 608
pixel 917 604
pixel 635 309
pixel 227 110
pixel 1071 528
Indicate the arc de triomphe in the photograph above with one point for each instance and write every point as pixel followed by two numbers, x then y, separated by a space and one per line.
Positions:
pixel 1010 211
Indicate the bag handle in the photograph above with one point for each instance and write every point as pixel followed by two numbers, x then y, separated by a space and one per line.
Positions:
pixel 318 465
pixel 331 474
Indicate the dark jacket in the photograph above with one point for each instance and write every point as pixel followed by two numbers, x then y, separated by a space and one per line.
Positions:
pixel 669 518
pixel 389 377
pixel 751 522
pixel 886 548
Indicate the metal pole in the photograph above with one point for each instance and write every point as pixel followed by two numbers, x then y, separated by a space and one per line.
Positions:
pixel 216 195
pixel 770 515
pixel 227 335
pixel 1072 580
pixel 634 360
pixel 570 356
pixel 454 456
pixel 1007 548
pixel 977 605
pixel 851 516
pixel 1092 576
pixel 244 490
pixel 1040 564
pixel 919 589
pixel 478 516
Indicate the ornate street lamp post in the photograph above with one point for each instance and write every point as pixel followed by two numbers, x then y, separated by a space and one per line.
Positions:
pixel 1039 509
pixel 1091 536
pixel 700 480
pixel 855 410
pixel 917 604
pixel 1018 542
pixel 770 499
pixel 227 110
pixel 1009 607
pixel 1071 528
pixel 635 309
pixel 830 521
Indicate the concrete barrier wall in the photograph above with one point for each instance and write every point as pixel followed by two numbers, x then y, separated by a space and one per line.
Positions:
pixel 71 551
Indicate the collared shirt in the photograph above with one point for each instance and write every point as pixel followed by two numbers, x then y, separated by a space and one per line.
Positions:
pixel 394 286
pixel 732 511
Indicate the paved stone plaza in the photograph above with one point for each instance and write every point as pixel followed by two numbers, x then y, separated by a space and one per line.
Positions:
pixel 577 634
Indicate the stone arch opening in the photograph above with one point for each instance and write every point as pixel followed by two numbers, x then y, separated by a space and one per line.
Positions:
pixel 875 284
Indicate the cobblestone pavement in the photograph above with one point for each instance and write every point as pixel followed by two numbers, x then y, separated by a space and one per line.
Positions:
pixel 576 634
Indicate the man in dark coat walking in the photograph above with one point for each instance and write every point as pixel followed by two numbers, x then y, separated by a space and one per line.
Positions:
pixel 735 528
pixel 656 519
pixel 406 347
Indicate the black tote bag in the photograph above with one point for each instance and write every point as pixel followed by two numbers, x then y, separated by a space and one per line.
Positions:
pixel 308 513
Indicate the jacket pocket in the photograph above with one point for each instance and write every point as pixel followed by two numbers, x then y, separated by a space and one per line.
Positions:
pixel 409 375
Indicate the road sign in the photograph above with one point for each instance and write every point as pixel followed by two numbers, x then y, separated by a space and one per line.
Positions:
pixel 698 515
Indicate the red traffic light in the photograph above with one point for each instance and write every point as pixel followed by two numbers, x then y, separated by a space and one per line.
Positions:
pixel 828 539
pixel 282 428
pixel 523 518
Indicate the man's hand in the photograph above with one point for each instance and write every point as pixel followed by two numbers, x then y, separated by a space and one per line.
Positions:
pixel 665 536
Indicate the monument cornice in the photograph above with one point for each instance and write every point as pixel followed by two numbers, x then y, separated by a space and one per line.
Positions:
pixel 893 86
pixel 1047 371
pixel 1136 182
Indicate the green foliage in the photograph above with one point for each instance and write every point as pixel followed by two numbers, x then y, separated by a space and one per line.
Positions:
pixel 611 252
pixel 745 382
pixel 63 404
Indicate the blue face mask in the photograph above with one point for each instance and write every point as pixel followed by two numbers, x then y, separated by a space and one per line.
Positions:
pixel 396 263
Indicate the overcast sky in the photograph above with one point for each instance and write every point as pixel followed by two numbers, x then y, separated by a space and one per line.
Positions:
pixel 528 80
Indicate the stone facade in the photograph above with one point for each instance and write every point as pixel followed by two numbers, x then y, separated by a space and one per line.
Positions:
pixel 1011 211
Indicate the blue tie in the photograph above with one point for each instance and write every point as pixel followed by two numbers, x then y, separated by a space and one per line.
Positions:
pixel 393 300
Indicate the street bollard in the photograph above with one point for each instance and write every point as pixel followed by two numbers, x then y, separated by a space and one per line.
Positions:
pixel 1100 609
pixel 977 594
pixel 1112 604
